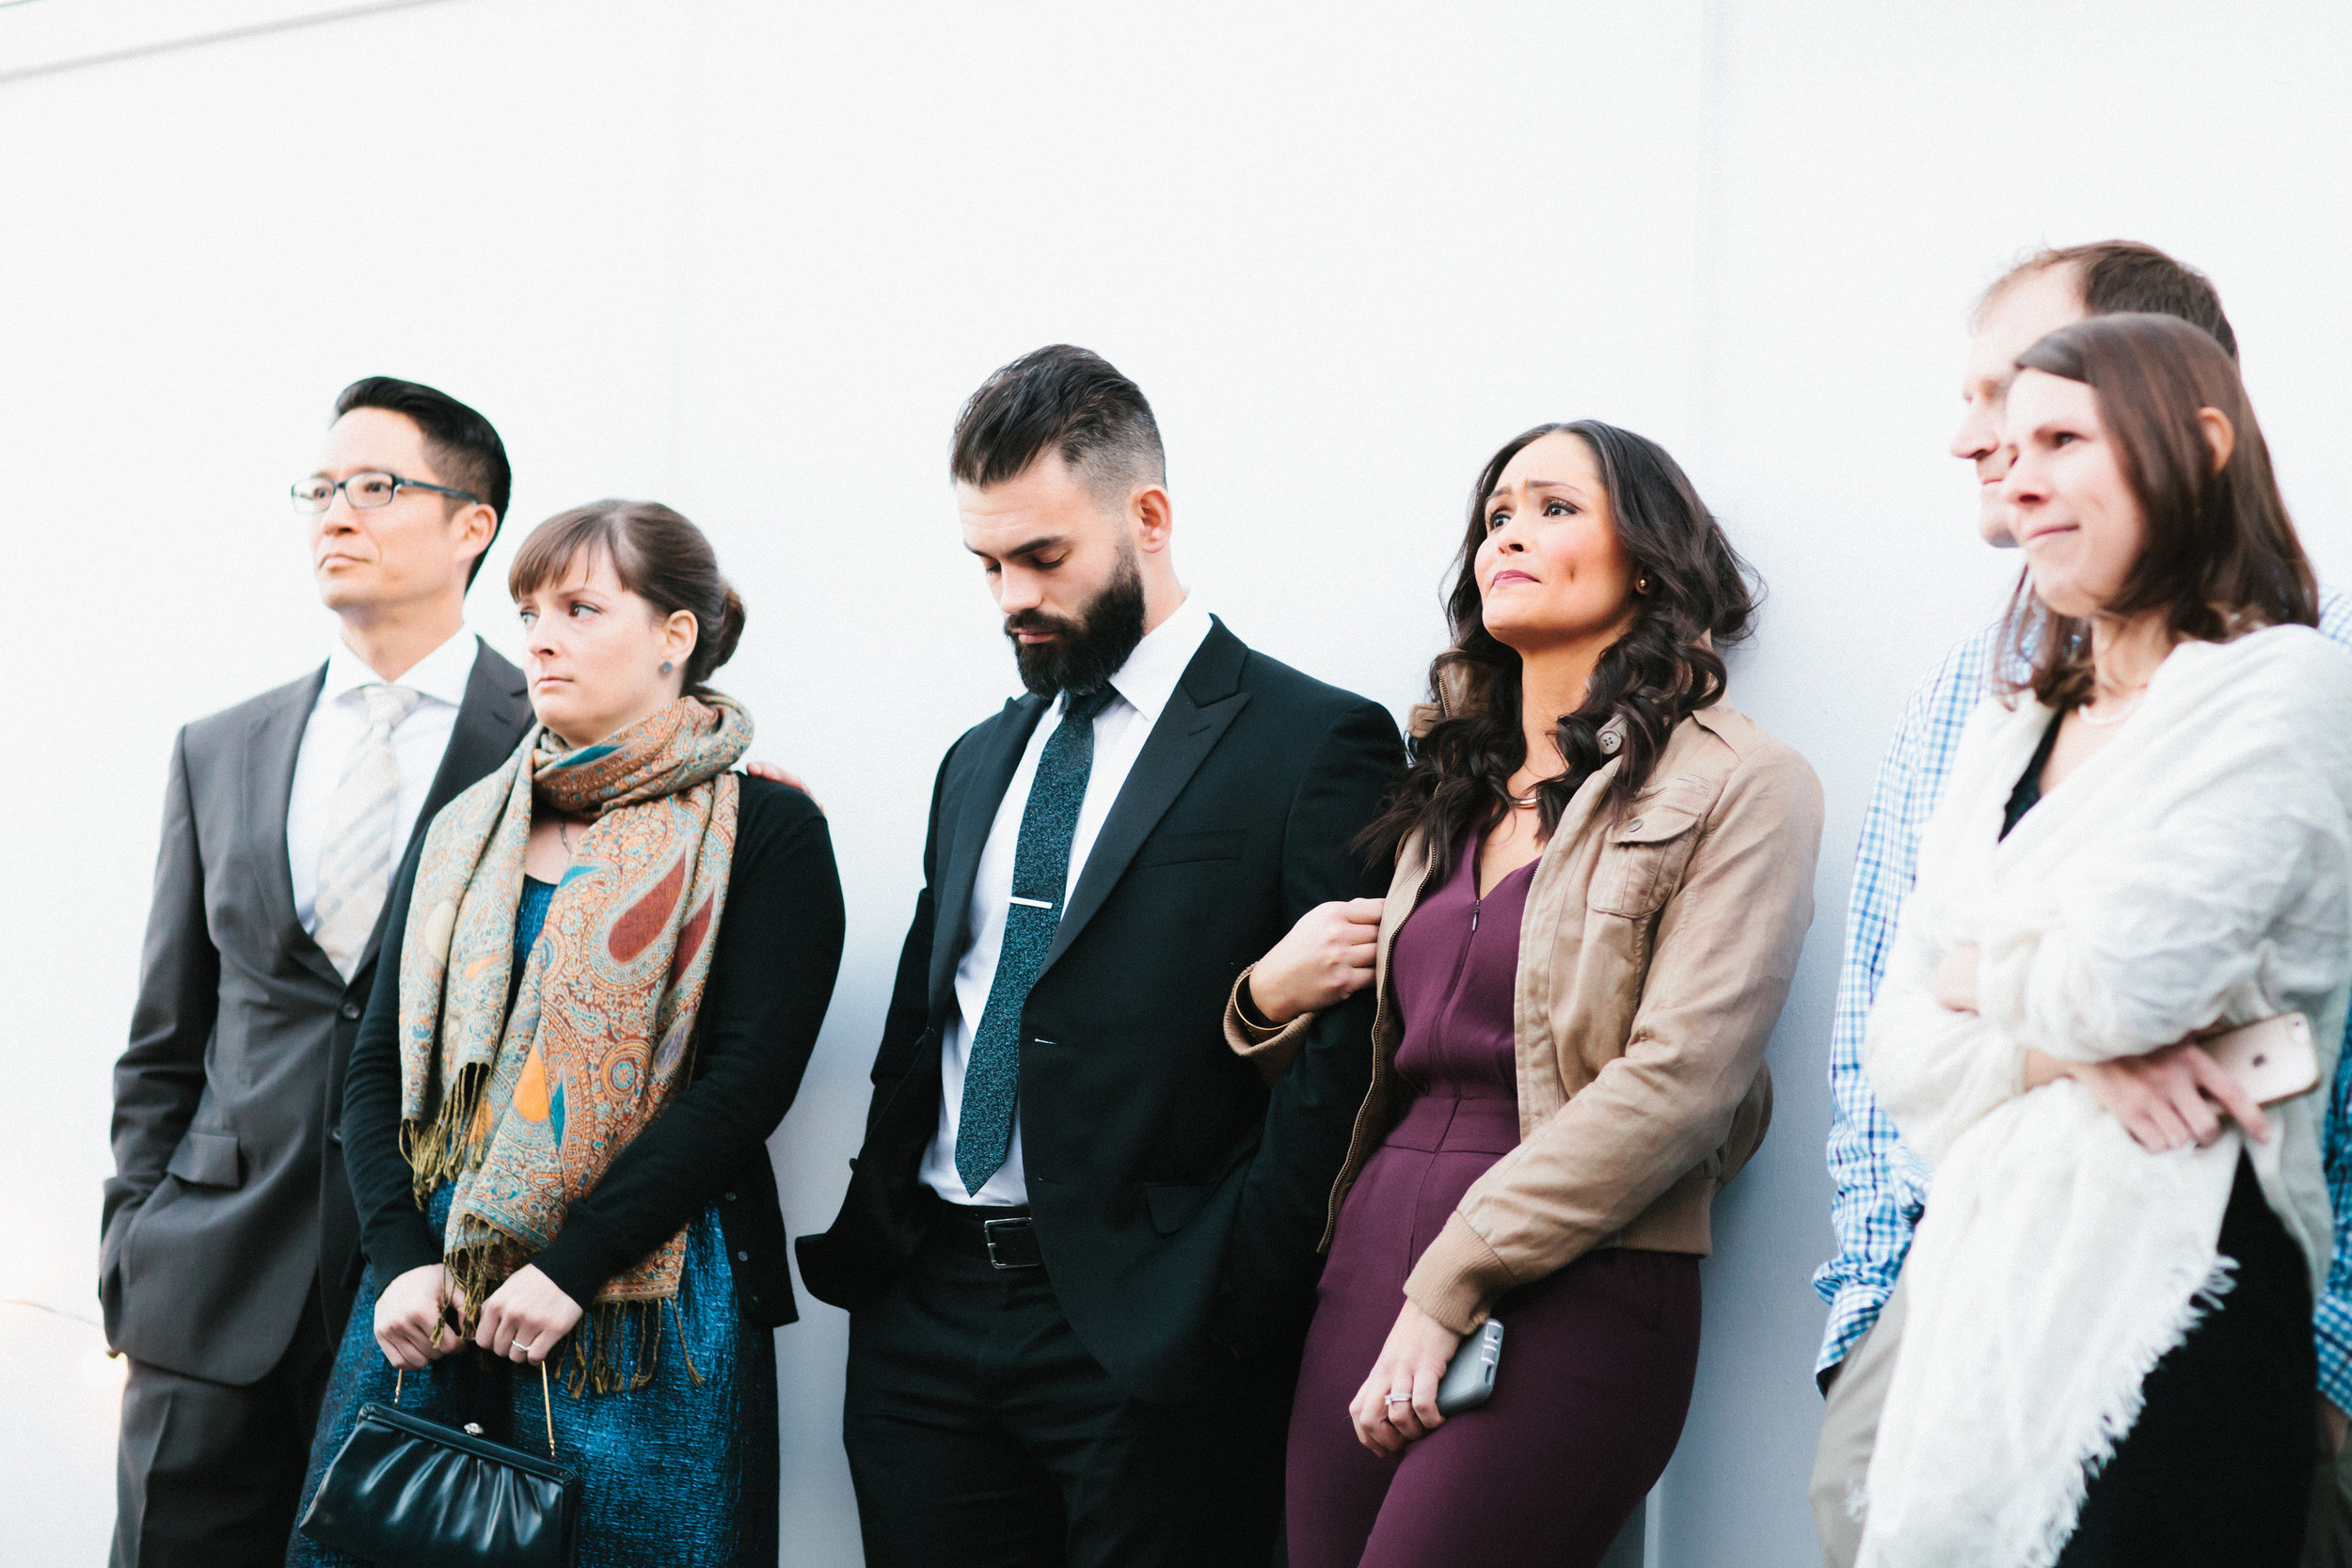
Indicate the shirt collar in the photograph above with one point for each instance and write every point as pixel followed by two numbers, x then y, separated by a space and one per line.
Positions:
pixel 1159 661
pixel 440 675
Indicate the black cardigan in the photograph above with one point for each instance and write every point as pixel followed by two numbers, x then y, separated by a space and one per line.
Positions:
pixel 772 976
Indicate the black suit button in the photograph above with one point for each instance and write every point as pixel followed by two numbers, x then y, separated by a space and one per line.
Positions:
pixel 730 1198
pixel 742 1257
pixel 351 1009
pixel 334 1135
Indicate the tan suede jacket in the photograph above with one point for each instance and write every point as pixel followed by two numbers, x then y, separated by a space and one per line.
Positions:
pixel 1657 948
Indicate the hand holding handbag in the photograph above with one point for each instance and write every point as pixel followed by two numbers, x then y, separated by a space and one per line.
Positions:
pixel 410 1493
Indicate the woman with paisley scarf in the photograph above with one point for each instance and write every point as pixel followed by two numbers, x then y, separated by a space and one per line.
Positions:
pixel 605 968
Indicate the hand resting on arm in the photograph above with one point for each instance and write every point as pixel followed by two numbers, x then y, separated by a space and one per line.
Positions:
pixel 2167 1097
pixel 1325 959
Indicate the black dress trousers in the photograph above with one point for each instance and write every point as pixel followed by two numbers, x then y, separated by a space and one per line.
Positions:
pixel 980 1432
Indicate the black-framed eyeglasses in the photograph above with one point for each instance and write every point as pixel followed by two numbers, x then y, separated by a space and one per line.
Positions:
pixel 365 491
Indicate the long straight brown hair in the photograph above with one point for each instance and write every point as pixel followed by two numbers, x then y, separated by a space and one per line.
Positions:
pixel 2221 557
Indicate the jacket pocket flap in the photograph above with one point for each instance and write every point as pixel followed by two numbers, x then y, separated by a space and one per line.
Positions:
pixel 1220 843
pixel 1172 1208
pixel 206 1160
pixel 1655 823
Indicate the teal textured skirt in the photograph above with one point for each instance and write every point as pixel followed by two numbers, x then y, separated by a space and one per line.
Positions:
pixel 682 1470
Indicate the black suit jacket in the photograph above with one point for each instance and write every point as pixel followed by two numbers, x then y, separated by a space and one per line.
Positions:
pixel 1178 1202
pixel 229 1196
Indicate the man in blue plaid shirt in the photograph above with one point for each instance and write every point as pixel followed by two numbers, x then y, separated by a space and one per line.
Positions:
pixel 1881 1185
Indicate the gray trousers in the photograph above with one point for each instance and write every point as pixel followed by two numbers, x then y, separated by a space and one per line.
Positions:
pixel 1850 1427
pixel 208 1474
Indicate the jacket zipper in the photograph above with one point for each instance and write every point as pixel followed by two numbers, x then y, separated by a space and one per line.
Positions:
pixel 1379 1015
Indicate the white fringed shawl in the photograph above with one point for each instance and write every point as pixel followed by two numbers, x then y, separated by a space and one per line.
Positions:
pixel 2194 871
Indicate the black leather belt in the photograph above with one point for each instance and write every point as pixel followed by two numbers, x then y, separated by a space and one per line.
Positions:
pixel 1006 1237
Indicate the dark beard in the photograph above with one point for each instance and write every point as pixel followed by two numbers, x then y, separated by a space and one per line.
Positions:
pixel 1086 653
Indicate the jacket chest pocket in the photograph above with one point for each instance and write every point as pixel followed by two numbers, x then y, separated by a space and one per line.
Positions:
pixel 1223 844
pixel 1643 859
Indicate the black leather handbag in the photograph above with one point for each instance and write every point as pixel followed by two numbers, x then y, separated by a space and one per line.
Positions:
pixel 410 1493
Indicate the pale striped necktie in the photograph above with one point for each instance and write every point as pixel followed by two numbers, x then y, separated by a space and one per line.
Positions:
pixel 355 867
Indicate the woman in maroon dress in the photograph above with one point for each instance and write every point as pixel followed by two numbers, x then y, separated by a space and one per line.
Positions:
pixel 1603 876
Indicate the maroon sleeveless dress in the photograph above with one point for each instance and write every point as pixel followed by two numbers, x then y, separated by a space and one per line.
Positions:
pixel 1597 1360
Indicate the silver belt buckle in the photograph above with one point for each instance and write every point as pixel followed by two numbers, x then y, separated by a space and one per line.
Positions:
pixel 989 1229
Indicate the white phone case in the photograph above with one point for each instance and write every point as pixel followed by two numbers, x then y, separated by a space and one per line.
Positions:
pixel 2273 1057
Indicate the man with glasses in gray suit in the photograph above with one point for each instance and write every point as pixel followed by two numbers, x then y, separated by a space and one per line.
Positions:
pixel 230 1249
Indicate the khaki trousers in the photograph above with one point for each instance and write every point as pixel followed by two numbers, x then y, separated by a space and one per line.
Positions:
pixel 1850 1426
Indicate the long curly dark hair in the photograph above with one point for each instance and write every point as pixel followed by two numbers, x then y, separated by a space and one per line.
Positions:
pixel 1702 598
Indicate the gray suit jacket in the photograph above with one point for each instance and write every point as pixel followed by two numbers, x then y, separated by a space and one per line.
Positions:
pixel 229 1196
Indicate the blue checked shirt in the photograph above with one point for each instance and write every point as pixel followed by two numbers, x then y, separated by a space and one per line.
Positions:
pixel 1882 1186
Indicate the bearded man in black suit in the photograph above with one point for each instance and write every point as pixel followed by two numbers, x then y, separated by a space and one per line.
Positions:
pixel 1080 1243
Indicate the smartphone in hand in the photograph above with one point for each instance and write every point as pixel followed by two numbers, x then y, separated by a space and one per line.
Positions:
pixel 2272 1057
pixel 1470 1377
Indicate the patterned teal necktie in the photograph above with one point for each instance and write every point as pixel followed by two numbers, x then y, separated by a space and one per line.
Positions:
pixel 1040 876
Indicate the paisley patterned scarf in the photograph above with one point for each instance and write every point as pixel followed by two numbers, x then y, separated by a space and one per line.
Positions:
pixel 524 1103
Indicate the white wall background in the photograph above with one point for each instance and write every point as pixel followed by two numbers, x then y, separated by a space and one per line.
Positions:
pixel 748 258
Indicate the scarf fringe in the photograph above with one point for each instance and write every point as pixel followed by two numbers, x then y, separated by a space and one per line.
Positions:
pixel 476 1271
pixel 597 1358
pixel 594 1357
pixel 2114 1424
pixel 2117 1420
pixel 453 1142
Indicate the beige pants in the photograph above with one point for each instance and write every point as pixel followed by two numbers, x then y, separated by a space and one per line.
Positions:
pixel 1850 1426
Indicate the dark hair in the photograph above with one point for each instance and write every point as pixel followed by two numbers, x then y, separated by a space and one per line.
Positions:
pixel 2127 278
pixel 1701 597
pixel 658 555
pixel 1066 398
pixel 2221 557
pixel 465 448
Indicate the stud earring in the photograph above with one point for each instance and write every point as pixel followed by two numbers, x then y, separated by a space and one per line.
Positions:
pixel 1641 585
pixel 667 667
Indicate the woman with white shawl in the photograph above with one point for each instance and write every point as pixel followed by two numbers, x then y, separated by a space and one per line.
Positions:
pixel 2108 1355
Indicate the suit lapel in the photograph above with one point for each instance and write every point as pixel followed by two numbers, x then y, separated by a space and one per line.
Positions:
pixel 974 814
pixel 267 764
pixel 490 724
pixel 1204 702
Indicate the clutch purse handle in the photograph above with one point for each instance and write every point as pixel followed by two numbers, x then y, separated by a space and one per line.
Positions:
pixel 547 1400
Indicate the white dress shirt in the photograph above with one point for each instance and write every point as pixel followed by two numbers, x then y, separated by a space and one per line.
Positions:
pixel 336 722
pixel 1143 683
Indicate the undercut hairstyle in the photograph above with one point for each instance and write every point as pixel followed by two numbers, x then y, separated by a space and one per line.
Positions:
pixel 2221 557
pixel 465 448
pixel 2127 278
pixel 1067 400
pixel 1668 665
pixel 658 555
